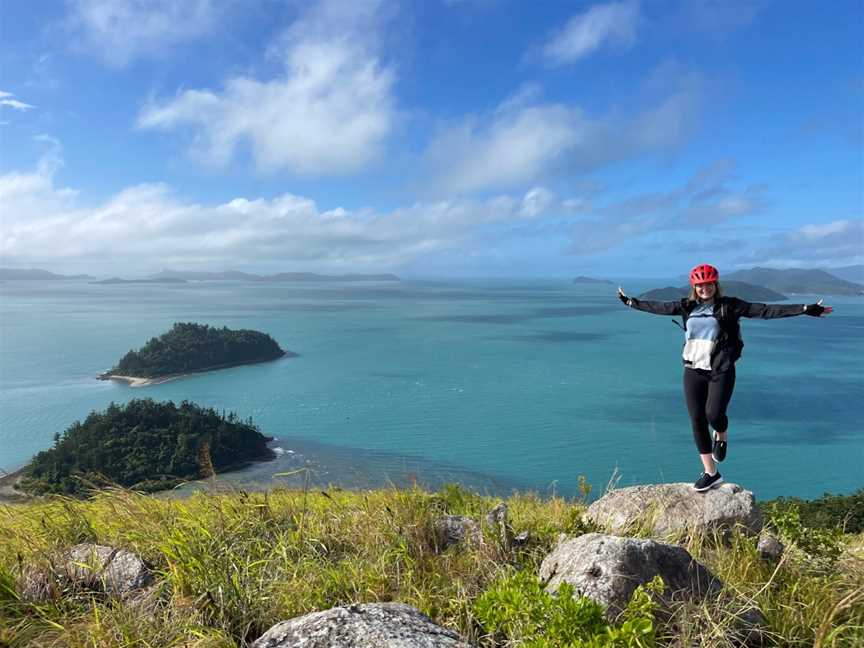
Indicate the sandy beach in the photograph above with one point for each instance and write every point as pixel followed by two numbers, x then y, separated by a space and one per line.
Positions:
pixel 137 381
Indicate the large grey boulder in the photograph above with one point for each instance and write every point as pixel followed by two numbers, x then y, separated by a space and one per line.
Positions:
pixel 114 571
pixel 372 625
pixel 675 510
pixel 608 569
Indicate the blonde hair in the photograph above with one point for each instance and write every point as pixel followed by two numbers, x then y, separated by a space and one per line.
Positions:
pixel 718 292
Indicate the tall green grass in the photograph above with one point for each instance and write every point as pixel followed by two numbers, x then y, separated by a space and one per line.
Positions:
pixel 229 566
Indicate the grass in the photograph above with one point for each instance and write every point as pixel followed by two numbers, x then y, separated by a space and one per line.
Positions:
pixel 229 566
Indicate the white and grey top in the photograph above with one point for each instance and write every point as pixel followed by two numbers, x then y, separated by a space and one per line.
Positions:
pixel 700 337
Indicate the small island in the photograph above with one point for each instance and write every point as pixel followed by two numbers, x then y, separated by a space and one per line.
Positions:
pixel 591 280
pixel 193 348
pixel 144 445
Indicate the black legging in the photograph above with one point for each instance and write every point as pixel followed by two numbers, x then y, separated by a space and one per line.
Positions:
pixel 707 396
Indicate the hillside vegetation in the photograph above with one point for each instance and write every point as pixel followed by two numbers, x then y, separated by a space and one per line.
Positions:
pixel 230 566
pixel 145 445
pixel 191 347
pixel 741 290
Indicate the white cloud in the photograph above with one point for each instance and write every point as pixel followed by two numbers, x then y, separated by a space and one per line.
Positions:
pixel 120 31
pixel 7 99
pixel 707 200
pixel 524 139
pixel 830 244
pixel 537 202
pixel 328 111
pixel 148 226
pixel 827 230
pixel 607 25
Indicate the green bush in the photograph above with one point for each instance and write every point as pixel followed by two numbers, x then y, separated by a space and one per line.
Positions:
pixel 822 544
pixel 829 511
pixel 518 609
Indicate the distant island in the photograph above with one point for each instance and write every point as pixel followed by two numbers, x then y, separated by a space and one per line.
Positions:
pixel 233 275
pixel 146 446
pixel 36 274
pixel 193 348
pixel 590 280
pixel 740 289
pixel 118 280
pixel 854 273
pixel 796 280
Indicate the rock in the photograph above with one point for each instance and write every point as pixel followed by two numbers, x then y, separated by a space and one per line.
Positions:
pixel 497 519
pixel 608 569
pixel 769 547
pixel 521 539
pixel 456 529
pixel 675 510
pixel 372 625
pixel 115 572
pixel 36 586
pixel 751 626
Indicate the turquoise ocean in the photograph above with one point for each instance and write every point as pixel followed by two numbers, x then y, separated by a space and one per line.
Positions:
pixel 496 384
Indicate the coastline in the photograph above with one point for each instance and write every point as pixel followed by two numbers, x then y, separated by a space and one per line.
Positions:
pixel 8 494
pixel 141 381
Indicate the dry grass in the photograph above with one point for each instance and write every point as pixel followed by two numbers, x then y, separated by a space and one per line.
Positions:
pixel 232 565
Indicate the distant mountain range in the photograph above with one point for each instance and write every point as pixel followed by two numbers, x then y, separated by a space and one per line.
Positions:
pixel 35 273
pixel 175 276
pixel 233 275
pixel 849 273
pixel 591 280
pixel 740 289
pixel 796 280
pixel 118 280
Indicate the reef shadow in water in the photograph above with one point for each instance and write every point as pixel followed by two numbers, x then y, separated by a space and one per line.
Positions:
pixel 554 337
pixel 517 318
pixel 301 463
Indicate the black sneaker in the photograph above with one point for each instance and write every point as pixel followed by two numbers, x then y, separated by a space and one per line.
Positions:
pixel 719 450
pixel 707 482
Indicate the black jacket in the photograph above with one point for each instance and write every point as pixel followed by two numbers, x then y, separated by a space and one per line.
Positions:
pixel 727 310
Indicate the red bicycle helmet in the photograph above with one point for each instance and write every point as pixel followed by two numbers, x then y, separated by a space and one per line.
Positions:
pixel 703 274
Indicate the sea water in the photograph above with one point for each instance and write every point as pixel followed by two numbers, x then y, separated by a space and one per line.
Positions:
pixel 496 384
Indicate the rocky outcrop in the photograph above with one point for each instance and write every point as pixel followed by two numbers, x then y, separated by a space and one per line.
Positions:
pixel 456 529
pixel 608 569
pixel 675 510
pixel 373 625
pixel 115 572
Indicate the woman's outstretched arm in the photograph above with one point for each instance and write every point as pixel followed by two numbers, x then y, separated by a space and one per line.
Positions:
pixel 656 307
pixel 774 311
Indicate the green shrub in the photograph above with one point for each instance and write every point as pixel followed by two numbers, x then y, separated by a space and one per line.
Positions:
pixel 821 544
pixel 829 511
pixel 518 609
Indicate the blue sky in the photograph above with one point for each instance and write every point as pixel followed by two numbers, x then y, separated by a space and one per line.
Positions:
pixel 435 138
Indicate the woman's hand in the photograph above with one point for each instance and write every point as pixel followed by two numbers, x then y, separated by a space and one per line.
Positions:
pixel 624 298
pixel 817 309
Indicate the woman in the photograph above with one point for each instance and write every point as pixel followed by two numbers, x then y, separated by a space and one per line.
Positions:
pixel 712 344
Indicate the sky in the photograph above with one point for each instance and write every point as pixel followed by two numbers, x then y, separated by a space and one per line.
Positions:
pixel 442 138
